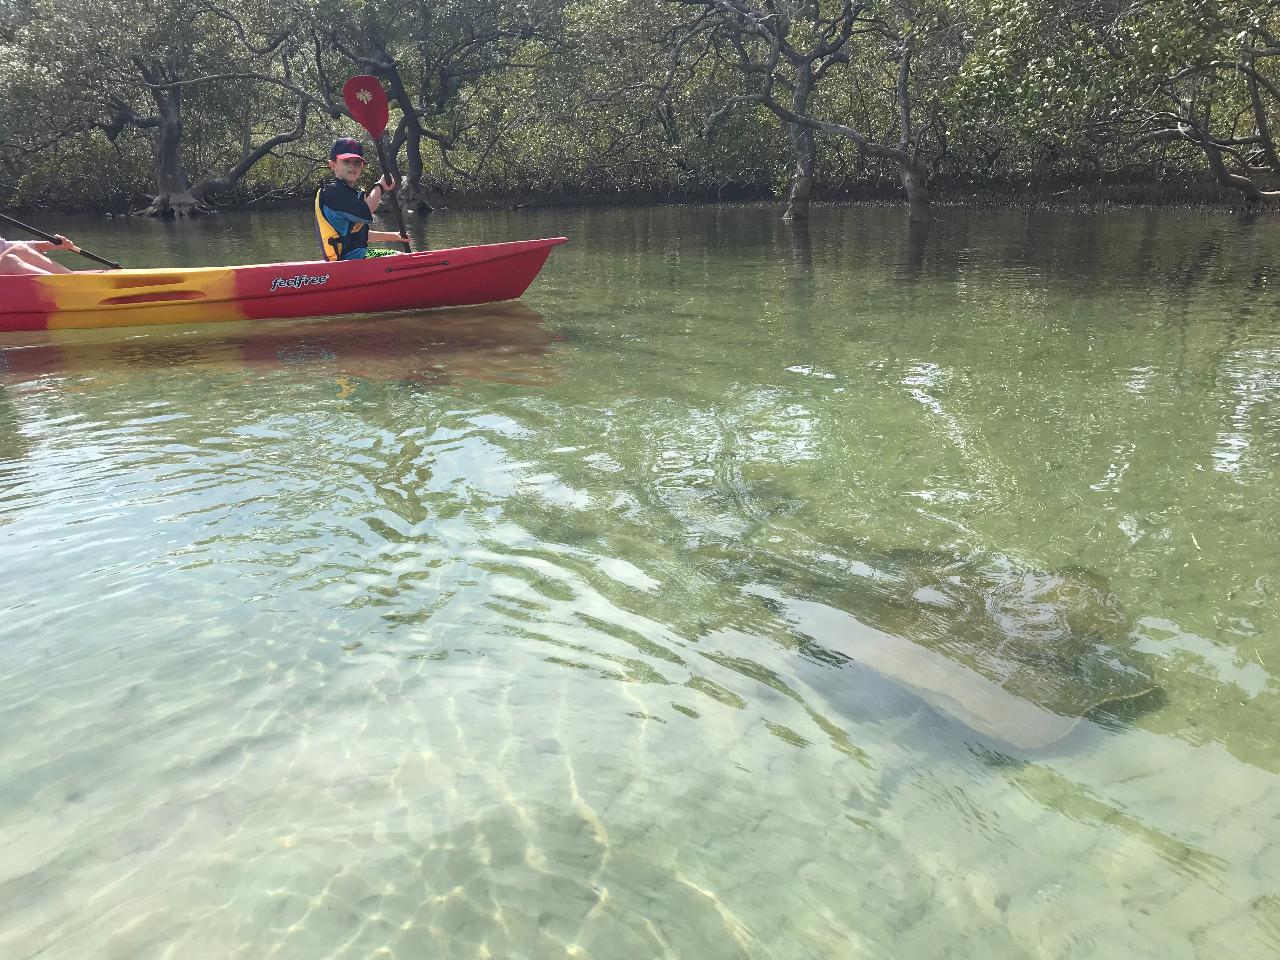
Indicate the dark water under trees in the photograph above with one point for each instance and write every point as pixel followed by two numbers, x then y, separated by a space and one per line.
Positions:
pixel 857 591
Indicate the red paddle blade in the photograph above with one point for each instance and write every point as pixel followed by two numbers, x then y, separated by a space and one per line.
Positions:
pixel 367 102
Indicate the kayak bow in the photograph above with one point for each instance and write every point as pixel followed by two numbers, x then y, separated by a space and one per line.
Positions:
pixel 123 298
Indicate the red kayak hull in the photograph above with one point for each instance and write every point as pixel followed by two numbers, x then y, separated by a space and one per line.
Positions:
pixel 460 276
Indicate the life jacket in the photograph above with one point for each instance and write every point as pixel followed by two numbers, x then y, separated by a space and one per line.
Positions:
pixel 340 233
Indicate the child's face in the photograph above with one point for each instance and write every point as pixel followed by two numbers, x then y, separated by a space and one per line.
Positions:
pixel 347 170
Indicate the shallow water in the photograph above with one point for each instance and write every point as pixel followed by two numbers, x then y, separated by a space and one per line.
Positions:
pixel 856 591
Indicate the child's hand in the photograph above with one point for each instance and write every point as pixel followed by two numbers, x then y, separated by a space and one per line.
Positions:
pixel 62 243
pixel 387 183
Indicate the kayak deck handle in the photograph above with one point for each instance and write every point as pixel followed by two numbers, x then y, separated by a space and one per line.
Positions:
pixel 155 296
pixel 117 282
pixel 433 263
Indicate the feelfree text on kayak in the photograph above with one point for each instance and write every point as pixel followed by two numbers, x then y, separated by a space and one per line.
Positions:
pixel 295 283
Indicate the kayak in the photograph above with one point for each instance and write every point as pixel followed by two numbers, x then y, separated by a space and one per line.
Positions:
pixel 461 276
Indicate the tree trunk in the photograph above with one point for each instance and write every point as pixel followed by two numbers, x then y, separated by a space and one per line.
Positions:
pixel 802 147
pixel 911 171
pixel 414 194
pixel 410 194
pixel 1262 126
pixel 1251 191
pixel 914 178
pixel 804 151
pixel 174 198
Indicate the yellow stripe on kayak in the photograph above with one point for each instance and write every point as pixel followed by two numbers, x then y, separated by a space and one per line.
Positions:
pixel 135 297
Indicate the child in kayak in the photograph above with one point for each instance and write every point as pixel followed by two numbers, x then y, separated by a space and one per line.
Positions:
pixel 19 258
pixel 343 213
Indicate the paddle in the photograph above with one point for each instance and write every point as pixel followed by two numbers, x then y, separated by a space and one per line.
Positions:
pixel 52 239
pixel 367 102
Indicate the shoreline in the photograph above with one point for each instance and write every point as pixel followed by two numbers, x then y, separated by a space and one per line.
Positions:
pixel 1177 195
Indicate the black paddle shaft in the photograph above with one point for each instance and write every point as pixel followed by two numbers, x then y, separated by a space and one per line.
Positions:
pixel 395 200
pixel 52 239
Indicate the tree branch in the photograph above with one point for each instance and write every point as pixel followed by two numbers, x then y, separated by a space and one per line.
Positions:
pixel 212 185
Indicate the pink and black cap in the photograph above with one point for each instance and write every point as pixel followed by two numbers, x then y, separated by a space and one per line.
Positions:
pixel 344 148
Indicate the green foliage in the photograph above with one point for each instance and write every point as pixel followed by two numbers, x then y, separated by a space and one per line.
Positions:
pixel 87 173
pixel 599 99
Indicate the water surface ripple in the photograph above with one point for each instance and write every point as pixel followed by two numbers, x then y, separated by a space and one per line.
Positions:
pixel 747 591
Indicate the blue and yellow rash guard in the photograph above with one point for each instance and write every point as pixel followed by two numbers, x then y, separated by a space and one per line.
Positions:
pixel 342 221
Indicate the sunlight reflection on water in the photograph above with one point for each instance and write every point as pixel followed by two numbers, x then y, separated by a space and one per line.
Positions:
pixel 733 596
